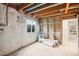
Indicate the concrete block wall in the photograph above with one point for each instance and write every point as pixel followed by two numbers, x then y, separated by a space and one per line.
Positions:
pixel 15 34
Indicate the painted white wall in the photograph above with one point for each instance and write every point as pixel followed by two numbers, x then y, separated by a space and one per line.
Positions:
pixel 66 34
pixel 65 30
pixel 31 36
pixel 14 35
pixel 71 41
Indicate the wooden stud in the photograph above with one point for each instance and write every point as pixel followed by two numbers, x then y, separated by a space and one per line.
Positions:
pixel 54 35
pixel 60 30
pixel 48 27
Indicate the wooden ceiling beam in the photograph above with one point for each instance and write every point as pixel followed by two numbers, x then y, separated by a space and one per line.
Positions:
pixel 23 6
pixel 67 6
pixel 50 9
pixel 61 6
pixel 69 17
pixel 61 10
pixel 44 9
pixel 58 14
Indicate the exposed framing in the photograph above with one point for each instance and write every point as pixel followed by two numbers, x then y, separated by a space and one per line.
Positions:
pixel 24 6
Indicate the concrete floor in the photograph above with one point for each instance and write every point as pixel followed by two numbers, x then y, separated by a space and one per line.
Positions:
pixel 40 49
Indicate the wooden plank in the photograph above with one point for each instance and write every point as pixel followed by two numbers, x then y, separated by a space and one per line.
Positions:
pixel 67 6
pixel 69 17
pixel 23 6
pixel 58 7
pixel 45 8
pixel 57 14
pixel 61 30
pixel 47 28
pixel 61 10
pixel 54 24
pixel 54 35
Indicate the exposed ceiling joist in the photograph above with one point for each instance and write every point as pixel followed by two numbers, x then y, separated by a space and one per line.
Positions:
pixel 23 6
pixel 67 6
pixel 41 4
pixel 46 8
pixel 60 10
pixel 61 6
pixel 58 14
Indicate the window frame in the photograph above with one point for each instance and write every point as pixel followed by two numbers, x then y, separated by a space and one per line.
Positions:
pixel 31 27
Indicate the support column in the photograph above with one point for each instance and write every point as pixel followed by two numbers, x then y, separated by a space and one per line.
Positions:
pixel 54 27
pixel 61 30
pixel 47 28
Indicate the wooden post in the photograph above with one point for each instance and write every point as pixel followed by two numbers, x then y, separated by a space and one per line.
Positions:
pixel 54 35
pixel 61 30
pixel 54 25
pixel 47 28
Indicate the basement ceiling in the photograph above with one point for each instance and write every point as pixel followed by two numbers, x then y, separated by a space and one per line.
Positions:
pixel 41 10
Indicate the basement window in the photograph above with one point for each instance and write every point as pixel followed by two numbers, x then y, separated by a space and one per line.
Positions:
pixel 28 28
pixel 31 26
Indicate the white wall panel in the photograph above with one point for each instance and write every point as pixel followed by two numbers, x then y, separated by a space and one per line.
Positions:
pixel 14 35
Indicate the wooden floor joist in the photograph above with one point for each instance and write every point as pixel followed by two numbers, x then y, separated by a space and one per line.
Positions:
pixel 59 10
pixel 45 9
pixel 24 6
pixel 58 14
pixel 58 7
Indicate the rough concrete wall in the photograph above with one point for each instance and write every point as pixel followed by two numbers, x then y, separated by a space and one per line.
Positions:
pixel 2 13
pixel 29 37
pixel 14 35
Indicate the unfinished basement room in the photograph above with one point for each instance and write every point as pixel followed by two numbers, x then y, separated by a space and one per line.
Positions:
pixel 39 29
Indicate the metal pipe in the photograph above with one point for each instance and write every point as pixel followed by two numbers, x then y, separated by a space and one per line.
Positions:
pixel 6 14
